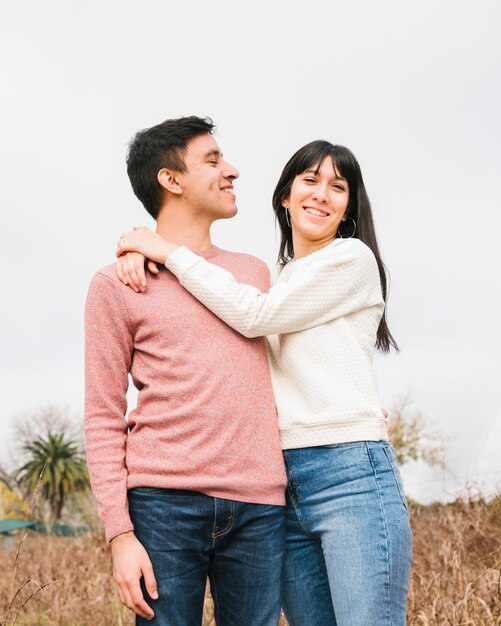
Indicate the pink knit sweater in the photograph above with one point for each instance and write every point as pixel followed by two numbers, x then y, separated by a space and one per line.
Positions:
pixel 205 418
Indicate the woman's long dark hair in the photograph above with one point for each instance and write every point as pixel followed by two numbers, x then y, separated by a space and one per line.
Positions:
pixel 359 208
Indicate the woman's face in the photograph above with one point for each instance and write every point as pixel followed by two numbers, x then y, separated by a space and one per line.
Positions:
pixel 317 204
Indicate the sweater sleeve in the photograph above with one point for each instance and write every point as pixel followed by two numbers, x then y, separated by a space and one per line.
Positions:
pixel 337 282
pixel 108 357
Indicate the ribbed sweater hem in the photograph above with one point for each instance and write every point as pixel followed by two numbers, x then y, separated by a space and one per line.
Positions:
pixel 254 494
pixel 325 433
pixel 119 522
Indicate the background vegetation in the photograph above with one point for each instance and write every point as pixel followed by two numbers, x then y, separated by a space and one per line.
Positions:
pixel 66 581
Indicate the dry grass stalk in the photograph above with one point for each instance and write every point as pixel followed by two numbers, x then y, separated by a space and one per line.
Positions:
pixel 457 565
pixel 12 612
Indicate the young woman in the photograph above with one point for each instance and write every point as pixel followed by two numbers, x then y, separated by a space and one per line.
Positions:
pixel 348 553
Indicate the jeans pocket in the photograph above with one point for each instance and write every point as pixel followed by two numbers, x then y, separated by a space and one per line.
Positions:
pixel 392 460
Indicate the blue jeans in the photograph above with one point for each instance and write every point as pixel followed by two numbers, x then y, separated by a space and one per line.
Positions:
pixel 189 536
pixel 348 539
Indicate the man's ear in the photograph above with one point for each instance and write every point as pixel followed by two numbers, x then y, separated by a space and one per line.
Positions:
pixel 169 181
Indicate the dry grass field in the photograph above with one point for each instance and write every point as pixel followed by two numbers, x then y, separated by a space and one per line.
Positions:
pixel 456 577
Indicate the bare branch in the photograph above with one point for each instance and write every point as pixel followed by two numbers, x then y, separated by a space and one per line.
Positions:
pixel 412 438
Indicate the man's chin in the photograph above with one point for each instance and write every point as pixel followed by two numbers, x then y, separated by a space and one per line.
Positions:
pixel 228 213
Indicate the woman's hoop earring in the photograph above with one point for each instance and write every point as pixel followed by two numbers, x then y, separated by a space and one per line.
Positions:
pixel 287 219
pixel 352 234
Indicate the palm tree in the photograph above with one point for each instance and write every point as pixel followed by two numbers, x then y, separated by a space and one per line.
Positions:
pixel 56 467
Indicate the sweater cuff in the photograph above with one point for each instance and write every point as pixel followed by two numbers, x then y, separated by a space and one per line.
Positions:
pixel 117 525
pixel 181 260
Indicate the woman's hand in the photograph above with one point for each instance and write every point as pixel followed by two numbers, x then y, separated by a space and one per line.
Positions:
pixel 130 270
pixel 151 245
pixel 132 249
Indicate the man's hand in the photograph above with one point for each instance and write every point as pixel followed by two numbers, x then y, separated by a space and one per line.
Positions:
pixel 130 563
pixel 387 423
pixel 130 270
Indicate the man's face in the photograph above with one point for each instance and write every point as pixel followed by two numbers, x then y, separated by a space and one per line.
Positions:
pixel 208 184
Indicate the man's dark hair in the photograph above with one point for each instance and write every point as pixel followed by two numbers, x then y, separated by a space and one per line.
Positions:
pixel 157 147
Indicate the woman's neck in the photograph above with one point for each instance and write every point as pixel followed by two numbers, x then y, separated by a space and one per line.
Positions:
pixel 304 247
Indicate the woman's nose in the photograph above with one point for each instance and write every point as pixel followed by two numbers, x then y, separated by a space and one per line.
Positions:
pixel 320 193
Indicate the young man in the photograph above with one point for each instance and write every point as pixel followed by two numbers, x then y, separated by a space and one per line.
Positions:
pixel 193 483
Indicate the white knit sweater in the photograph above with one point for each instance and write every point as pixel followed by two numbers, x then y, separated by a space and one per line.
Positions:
pixel 321 317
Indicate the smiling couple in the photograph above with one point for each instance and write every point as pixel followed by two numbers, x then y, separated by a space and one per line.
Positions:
pixel 305 511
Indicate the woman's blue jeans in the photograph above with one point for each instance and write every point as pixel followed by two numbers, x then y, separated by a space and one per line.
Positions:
pixel 189 536
pixel 348 539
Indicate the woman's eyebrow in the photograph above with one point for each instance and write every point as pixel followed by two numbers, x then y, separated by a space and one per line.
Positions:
pixel 317 171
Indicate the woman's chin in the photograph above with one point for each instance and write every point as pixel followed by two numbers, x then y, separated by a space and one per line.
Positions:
pixel 315 233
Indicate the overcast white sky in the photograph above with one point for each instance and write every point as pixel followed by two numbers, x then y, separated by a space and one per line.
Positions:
pixel 412 88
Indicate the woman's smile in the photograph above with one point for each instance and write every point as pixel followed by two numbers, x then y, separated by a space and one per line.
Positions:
pixel 315 212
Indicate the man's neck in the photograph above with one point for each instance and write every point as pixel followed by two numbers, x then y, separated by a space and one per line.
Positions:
pixel 184 231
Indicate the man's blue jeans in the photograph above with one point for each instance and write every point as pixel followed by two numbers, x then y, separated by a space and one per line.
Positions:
pixel 189 536
pixel 348 539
